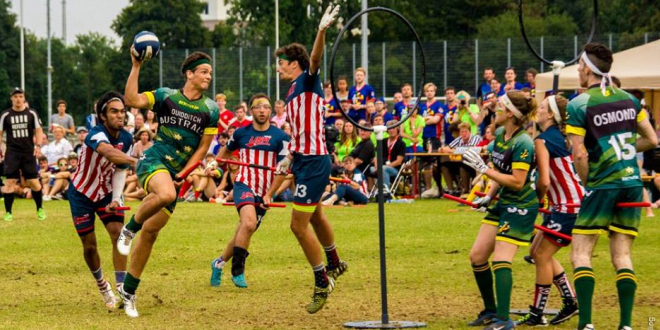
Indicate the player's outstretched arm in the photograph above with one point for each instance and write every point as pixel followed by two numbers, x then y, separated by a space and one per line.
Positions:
pixel 115 155
pixel 131 96
pixel 317 51
pixel 648 139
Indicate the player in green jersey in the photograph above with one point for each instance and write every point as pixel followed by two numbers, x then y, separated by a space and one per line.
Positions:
pixel 188 121
pixel 603 126
pixel 510 223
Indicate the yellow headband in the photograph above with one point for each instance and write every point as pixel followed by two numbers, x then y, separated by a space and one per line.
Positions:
pixel 259 101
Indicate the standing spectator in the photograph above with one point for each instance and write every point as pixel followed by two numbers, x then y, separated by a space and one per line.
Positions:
pixel 330 104
pixel 485 88
pixel 151 121
pixel 240 120
pixel 62 118
pixel 280 114
pixel 496 87
pixel 401 108
pixel 225 115
pixel 451 109
pixel 394 151
pixel 530 76
pixel 82 134
pixel 432 111
pixel 59 147
pixel 143 141
pixel 412 133
pixel 364 151
pixel 23 127
pixel 511 83
pixel 359 95
pixel 347 142
pixel 467 113
pixel 466 139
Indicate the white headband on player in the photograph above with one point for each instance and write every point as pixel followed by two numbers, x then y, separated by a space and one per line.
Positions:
pixel 607 77
pixel 552 101
pixel 509 105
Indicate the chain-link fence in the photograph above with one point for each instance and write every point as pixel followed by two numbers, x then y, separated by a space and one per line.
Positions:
pixel 240 72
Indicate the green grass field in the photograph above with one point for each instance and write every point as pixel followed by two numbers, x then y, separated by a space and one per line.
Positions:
pixel 45 283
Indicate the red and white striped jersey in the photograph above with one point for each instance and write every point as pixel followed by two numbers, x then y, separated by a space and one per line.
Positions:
pixel 259 148
pixel 93 177
pixel 304 106
pixel 565 185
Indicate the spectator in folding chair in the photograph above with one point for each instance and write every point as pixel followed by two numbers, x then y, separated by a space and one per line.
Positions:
pixel 355 192
pixel 394 152
pixel 465 139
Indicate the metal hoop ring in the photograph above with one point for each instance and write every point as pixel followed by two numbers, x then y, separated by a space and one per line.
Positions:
pixel 531 48
pixel 334 53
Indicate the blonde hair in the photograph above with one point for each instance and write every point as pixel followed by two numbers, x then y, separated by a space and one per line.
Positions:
pixel 361 69
pixel 427 85
pixel 220 96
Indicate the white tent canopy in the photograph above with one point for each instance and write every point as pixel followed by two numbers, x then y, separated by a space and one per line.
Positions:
pixel 637 68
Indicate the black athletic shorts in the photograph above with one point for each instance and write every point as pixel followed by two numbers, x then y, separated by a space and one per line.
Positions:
pixel 17 163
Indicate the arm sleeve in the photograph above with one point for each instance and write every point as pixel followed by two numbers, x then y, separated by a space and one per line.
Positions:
pixel 576 124
pixel 95 138
pixel 70 121
pixel 118 183
pixel 156 98
pixel 212 127
pixel 284 148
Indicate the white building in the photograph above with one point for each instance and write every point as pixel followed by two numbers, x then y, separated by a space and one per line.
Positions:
pixel 215 11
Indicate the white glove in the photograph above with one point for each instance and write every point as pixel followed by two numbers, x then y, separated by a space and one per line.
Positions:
pixel 482 203
pixel 473 159
pixel 329 17
pixel 283 166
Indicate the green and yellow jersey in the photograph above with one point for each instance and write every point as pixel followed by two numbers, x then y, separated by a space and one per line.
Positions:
pixel 515 153
pixel 608 124
pixel 181 125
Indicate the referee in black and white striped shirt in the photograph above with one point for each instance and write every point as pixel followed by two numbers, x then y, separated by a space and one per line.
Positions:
pixel 465 139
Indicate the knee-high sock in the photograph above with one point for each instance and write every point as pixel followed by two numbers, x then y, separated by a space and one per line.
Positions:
pixel 503 287
pixel 484 277
pixel 9 201
pixel 585 281
pixel 626 285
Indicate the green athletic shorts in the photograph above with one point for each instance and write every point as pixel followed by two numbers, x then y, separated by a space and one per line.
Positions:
pixel 516 225
pixel 599 213
pixel 146 168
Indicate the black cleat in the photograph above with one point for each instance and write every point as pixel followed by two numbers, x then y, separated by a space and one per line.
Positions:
pixel 568 309
pixel 485 317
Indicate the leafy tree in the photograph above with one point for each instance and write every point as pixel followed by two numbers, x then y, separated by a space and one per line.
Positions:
pixel 9 52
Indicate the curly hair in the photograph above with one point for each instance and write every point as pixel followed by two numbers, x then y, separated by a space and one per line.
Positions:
pixel 295 52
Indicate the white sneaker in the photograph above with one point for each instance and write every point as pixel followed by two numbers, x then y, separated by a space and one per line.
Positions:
pixel 46 198
pixel 330 201
pixel 129 302
pixel 124 241
pixel 108 296
pixel 431 193
pixel 588 327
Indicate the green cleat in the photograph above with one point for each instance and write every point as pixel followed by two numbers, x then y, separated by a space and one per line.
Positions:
pixel 41 214
pixel 318 299
pixel 9 217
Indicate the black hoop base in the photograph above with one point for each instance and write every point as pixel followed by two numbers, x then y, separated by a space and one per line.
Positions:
pixel 380 325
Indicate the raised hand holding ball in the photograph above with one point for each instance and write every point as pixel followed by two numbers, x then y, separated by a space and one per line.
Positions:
pixel 145 46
